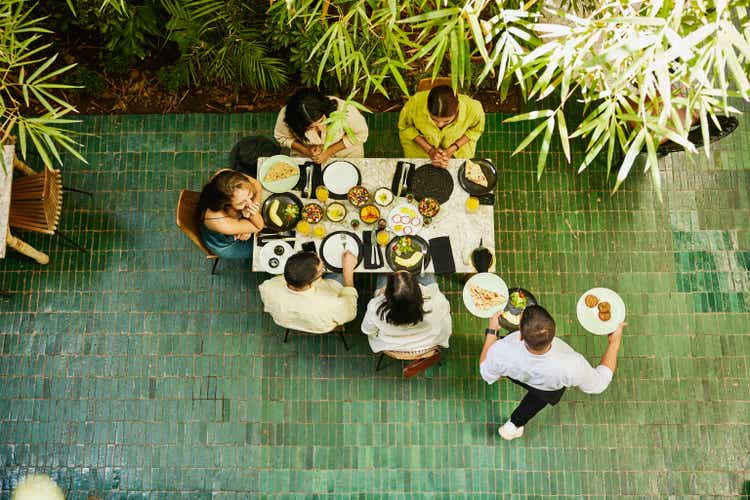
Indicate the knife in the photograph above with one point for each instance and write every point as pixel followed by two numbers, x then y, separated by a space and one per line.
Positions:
pixel 401 180
pixel 308 181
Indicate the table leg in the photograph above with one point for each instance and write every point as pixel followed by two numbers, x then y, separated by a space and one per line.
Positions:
pixel 26 249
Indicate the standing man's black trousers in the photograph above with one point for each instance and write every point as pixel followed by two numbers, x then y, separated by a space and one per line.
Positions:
pixel 533 402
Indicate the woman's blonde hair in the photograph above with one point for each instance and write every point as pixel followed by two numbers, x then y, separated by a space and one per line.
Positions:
pixel 217 194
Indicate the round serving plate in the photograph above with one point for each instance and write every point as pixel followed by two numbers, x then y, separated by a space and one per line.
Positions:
pixel 339 177
pixel 589 316
pixel 280 186
pixel 332 248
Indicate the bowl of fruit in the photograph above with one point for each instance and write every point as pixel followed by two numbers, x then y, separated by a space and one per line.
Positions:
pixel 312 213
pixel 358 196
pixel 336 212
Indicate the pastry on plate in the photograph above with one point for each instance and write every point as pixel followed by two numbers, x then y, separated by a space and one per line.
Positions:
pixel 591 300
pixel 605 315
pixel 604 307
pixel 280 171
pixel 473 173
pixel 485 299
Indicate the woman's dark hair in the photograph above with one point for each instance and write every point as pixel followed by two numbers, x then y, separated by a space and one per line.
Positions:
pixel 217 194
pixel 305 107
pixel 403 300
pixel 537 327
pixel 442 101
pixel 301 269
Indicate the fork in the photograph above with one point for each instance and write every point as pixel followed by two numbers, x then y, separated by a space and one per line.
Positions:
pixel 343 239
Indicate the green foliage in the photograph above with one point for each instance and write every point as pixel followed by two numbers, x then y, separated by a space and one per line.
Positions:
pixel 174 78
pixel 637 67
pixel 86 81
pixel 28 77
pixel 223 41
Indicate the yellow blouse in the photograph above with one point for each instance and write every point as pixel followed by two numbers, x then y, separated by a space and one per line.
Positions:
pixel 415 120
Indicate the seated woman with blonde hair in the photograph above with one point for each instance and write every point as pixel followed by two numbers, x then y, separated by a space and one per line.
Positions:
pixel 440 124
pixel 228 211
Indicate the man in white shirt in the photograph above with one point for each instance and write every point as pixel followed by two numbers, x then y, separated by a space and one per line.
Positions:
pixel 541 363
pixel 302 299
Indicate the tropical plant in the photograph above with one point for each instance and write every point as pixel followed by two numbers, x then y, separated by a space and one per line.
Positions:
pixel 28 83
pixel 223 41
pixel 638 68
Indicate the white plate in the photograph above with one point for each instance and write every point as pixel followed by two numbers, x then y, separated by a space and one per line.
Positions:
pixel 267 253
pixel 340 176
pixel 404 220
pixel 589 316
pixel 488 281
pixel 283 185
pixel 333 248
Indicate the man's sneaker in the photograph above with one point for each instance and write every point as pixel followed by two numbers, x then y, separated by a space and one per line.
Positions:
pixel 509 431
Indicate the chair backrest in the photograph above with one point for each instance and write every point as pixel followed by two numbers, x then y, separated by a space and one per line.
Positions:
pixel 36 202
pixel 429 83
pixel 187 219
pixel 420 361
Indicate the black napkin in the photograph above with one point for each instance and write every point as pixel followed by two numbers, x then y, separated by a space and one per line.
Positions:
pixel 367 243
pixel 317 178
pixel 397 177
pixel 487 199
pixel 442 255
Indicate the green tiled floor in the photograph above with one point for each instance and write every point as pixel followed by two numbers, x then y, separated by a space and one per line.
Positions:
pixel 132 373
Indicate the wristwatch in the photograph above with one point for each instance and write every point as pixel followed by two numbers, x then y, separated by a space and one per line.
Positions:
pixel 490 331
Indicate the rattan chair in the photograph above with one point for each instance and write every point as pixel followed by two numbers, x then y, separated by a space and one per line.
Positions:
pixel 187 221
pixel 36 203
pixel 340 329
pixel 420 360
pixel 429 83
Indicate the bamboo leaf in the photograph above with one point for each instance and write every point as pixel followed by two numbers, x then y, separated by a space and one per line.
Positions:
pixel 432 16
pixel 532 115
pixel 635 147
pixel 527 140
pixel 563 129
pixel 542 161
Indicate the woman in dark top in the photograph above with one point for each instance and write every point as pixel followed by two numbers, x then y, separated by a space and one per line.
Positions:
pixel 229 214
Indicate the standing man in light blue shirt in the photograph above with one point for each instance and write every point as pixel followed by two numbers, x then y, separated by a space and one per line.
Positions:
pixel 542 364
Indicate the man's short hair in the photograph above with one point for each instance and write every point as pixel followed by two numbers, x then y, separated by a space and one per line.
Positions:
pixel 301 269
pixel 537 327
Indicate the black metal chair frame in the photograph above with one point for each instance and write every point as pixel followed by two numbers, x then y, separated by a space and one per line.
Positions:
pixel 340 329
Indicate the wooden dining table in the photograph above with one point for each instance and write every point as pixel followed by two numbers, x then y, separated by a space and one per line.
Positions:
pixel 465 230
pixel 7 239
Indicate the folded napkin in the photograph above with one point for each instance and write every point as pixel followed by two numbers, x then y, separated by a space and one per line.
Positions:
pixel 264 238
pixel 397 177
pixel 317 178
pixel 442 255
pixel 367 243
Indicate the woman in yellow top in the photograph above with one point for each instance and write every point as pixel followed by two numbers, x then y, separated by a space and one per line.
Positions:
pixel 440 125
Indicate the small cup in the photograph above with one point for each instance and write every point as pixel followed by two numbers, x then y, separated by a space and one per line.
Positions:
pixel 354 223
pixel 382 223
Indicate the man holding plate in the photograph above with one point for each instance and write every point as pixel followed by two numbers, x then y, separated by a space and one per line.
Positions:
pixel 542 364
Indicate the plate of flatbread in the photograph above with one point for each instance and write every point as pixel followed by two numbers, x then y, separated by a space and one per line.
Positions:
pixel 485 294
pixel 477 176
pixel 278 174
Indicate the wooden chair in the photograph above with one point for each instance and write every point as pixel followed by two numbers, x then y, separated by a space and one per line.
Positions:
pixel 36 202
pixel 340 329
pixel 187 221
pixel 420 360
pixel 429 83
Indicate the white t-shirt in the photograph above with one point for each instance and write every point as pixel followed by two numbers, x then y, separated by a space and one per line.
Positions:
pixel 434 329
pixel 559 367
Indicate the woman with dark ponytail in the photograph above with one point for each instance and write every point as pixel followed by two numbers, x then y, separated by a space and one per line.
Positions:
pixel 406 315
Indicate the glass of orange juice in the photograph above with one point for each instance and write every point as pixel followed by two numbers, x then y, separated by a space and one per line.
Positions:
pixel 383 237
pixel 321 193
pixel 303 227
pixel 472 204
pixel 319 231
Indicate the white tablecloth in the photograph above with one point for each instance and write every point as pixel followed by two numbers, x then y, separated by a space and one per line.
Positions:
pixel 6 180
pixel 465 230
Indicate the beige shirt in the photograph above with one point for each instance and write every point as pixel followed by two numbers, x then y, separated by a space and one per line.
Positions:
pixel 319 309
pixel 435 328
pixel 352 148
